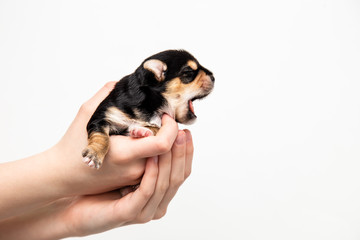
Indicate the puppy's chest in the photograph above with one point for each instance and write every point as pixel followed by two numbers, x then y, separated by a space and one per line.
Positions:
pixel 120 121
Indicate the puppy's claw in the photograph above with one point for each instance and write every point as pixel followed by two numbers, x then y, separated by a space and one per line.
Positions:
pixel 97 164
pixel 94 163
pixel 86 160
pixel 91 164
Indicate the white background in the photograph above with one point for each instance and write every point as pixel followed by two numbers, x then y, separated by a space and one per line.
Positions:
pixel 277 143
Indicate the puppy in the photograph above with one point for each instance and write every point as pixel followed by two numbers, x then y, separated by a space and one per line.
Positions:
pixel 167 82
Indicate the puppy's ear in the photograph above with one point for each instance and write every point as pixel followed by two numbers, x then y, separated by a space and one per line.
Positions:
pixel 157 67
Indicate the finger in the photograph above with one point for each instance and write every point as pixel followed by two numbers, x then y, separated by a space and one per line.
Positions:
pixel 101 95
pixel 162 186
pixel 89 107
pixel 178 160
pixel 168 124
pixel 189 153
pixel 145 147
pixel 138 199
pixel 177 175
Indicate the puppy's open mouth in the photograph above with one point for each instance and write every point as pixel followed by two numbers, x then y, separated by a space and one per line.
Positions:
pixel 191 108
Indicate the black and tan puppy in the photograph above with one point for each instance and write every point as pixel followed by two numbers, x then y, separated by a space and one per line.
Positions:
pixel 167 82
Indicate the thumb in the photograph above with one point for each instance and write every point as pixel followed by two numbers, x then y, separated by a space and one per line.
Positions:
pixel 89 107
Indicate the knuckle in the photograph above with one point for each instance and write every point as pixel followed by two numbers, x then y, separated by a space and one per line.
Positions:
pixel 135 173
pixel 144 219
pixel 160 214
pixel 176 182
pixel 163 146
pixel 86 109
pixel 109 85
pixel 187 173
pixel 147 193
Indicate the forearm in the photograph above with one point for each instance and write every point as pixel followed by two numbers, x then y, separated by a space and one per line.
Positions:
pixel 32 182
pixel 42 223
pixel 29 183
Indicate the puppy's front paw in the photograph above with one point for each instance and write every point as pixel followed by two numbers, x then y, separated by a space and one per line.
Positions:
pixel 139 132
pixel 91 158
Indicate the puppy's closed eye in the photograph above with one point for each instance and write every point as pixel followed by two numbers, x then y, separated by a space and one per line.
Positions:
pixel 188 75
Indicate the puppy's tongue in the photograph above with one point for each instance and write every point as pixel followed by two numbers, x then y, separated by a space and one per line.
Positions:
pixel 191 107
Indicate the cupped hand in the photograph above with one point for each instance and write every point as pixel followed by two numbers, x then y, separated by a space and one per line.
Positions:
pixel 123 165
pixel 163 176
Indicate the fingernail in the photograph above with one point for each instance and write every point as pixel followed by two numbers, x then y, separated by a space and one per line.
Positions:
pixel 180 137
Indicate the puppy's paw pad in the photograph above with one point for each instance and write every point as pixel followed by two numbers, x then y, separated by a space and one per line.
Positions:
pixel 90 158
pixel 139 132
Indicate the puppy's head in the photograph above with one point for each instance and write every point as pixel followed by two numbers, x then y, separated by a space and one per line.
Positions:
pixel 180 79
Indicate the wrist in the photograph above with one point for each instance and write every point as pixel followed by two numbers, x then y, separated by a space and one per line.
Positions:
pixel 36 178
pixel 42 223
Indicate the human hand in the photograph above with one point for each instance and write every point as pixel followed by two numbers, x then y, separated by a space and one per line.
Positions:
pixel 125 162
pixel 57 177
pixel 163 176
pixel 89 214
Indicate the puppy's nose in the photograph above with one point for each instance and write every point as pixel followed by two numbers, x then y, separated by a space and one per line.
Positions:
pixel 212 78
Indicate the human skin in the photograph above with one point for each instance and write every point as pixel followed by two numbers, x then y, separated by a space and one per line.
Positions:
pixel 57 187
